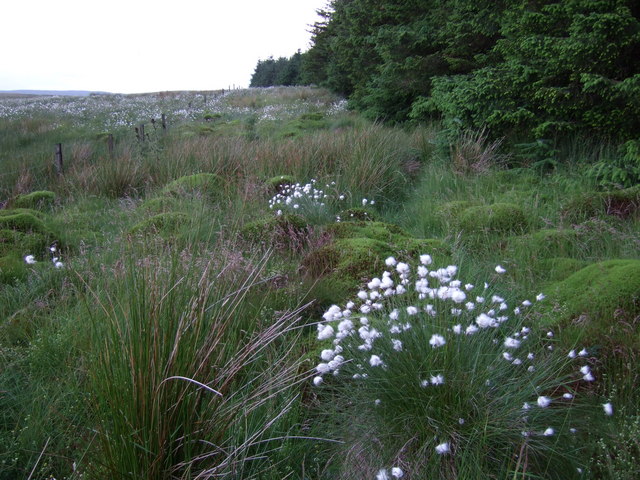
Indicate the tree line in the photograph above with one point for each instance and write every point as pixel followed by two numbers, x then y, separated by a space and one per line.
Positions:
pixel 520 68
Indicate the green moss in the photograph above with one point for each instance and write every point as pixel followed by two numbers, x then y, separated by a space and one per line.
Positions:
pixel 498 217
pixel 284 230
pixel 385 232
pixel 160 205
pixel 163 223
pixel 451 210
pixel 276 184
pixel 12 270
pixel 620 203
pixel 598 303
pixel 15 211
pixel 206 184
pixel 358 214
pixel 36 200
pixel 23 222
pixel 349 259
pixel 21 244
pixel 556 269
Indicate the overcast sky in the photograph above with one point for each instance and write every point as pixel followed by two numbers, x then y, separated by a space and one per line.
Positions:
pixel 132 46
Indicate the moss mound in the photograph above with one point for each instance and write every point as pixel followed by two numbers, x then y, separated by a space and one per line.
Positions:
pixel 283 231
pixel 38 200
pixel 12 270
pixel 206 184
pixel 620 203
pixel 160 205
pixel 22 222
pixel 600 303
pixel 358 214
pixel 451 210
pixel 385 232
pixel 498 217
pixel 163 223
pixel 556 269
pixel 278 183
pixel 21 244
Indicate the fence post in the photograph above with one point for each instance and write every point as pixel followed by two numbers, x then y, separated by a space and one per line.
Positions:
pixel 110 145
pixel 164 122
pixel 58 160
pixel 142 132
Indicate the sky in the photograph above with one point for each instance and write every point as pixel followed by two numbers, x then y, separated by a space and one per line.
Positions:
pixel 135 46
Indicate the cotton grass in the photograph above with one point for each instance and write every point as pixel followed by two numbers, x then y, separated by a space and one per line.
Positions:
pixel 428 364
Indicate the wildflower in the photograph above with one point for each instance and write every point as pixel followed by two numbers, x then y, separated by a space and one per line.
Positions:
pixel 397 345
pixel 364 202
pixel 317 381
pixel 443 448
pixel 511 343
pixel 30 259
pixel 325 333
pixel 549 432
pixel 588 377
pixel 323 368
pixel 471 329
pixel 426 259
pixel 397 472
pixel 544 402
pixel 411 310
pixel 402 268
pixel 327 355
pixel 382 475
pixel 437 340
pixel 457 329
pixel 582 353
pixel 585 369
pixel 500 270
pixel 437 380
pixel 390 262
pixel 540 296
pixel 608 409
pixel 572 354
pixel 507 356
pixel 375 361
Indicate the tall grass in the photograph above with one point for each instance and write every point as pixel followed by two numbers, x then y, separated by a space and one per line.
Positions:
pixel 189 371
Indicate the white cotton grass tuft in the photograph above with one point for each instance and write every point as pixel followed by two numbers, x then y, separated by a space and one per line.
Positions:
pixel 443 448
pixel 404 306
pixel 30 259
pixel 608 409
pixel 396 472
pixel 544 402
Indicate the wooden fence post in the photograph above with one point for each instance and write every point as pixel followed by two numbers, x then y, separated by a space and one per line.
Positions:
pixel 58 160
pixel 142 132
pixel 164 122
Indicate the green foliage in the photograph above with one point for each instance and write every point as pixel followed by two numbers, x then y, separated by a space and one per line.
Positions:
pixel 534 69
pixel 283 71
pixel 621 171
